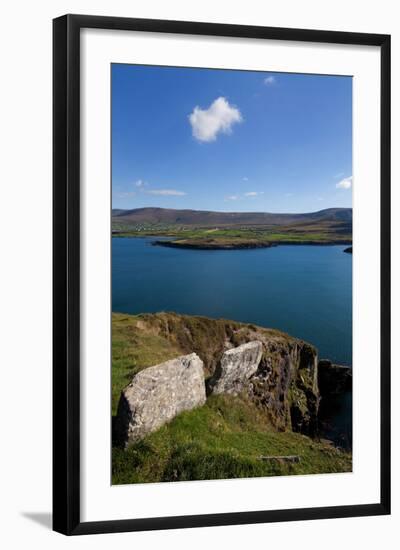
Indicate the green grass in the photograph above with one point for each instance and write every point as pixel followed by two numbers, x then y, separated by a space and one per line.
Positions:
pixel 134 350
pixel 223 439
pixel 322 233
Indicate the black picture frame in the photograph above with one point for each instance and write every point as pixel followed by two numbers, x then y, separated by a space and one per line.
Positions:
pixel 66 273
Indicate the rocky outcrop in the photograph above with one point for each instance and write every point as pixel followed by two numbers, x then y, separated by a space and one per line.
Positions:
pixel 280 380
pixel 305 395
pixel 335 412
pixel 333 379
pixel 284 386
pixel 236 367
pixel 157 394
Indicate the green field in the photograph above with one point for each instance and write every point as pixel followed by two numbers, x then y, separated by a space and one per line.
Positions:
pixel 317 234
pixel 225 438
pixel 198 229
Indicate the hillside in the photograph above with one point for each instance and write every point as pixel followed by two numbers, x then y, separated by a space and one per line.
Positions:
pixel 198 229
pixel 203 218
pixel 228 436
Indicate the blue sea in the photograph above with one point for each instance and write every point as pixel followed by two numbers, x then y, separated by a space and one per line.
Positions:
pixel 303 290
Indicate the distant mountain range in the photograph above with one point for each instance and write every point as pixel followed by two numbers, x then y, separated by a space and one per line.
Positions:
pixel 205 218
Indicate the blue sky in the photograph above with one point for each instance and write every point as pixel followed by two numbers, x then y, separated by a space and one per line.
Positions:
pixel 230 140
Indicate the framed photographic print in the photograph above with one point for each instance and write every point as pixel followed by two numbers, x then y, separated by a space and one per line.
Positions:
pixel 221 274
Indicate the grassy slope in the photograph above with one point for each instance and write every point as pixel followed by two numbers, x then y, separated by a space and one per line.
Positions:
pixel 134 350
pixel 222 439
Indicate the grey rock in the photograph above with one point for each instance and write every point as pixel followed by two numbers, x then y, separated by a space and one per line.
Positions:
pixel 236 367
pixel 157 394
pixel 333 379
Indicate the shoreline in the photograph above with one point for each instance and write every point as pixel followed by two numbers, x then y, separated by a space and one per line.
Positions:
pixel 212 246
pixel 231 246
pixel 244 246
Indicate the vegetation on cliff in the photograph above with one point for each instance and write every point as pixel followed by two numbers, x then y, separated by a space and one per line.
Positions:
pixel 227 436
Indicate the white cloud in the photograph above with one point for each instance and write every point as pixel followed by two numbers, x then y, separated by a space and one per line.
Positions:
pixel 245 178
pixel 345 183
pixel 232 198
pixel 166 192
pixel 253 193
pixel 269 80
pixel 126 194
pixel 143 187
pixel 219 117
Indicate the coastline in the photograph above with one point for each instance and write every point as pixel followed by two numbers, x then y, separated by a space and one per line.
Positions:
pixel 213 246
pixel 193 244
pixel 245 245
pixel 276 414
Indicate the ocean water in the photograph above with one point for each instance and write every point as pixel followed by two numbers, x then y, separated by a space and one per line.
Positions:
pixel 305 291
